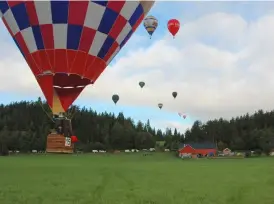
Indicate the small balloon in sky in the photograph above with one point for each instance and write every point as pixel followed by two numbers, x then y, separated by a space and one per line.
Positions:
pixel 150 24
pixel 173 26
pixel 182 115
pixel 115 98
pixel 174 94
pixel 160 105
pixel 141 84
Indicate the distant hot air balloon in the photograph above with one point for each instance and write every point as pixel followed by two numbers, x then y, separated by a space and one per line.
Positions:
pixel 115 98
pixel 174 94
pixel 68 44
pixel 150 24
pixel 173 26
pixel 160 105
pixel 141 84
pixel 182 115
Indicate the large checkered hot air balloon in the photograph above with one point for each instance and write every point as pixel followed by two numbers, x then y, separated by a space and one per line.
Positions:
pixel 68 44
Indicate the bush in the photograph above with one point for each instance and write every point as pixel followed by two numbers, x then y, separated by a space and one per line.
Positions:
pixel 267 150
pixel 87 148
pixel 99 146
pixel 247 154
pixel 258 152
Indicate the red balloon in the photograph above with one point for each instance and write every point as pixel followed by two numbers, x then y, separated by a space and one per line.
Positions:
pixel 74 139
pixel 173 26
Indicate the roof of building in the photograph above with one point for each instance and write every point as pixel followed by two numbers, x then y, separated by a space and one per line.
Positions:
pixel 206 145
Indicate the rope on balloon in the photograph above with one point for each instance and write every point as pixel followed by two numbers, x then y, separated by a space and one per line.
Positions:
pixel 72 112
pixel 69 112
pixel 41 104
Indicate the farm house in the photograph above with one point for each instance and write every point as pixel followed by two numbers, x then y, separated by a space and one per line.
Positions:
pixel 202 149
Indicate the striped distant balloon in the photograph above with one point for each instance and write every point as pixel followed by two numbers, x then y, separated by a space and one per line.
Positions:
pixel 68 44
pixel 150 24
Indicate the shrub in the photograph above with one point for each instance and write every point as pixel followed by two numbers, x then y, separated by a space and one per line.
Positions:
pixel 247 154
pixel 258 152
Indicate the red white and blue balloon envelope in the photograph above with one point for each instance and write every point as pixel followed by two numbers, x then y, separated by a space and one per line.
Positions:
pixel 68 44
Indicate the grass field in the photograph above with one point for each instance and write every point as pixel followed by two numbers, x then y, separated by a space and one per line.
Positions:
pixel 134 179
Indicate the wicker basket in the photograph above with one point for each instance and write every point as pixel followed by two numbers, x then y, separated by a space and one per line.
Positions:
pixel 59 144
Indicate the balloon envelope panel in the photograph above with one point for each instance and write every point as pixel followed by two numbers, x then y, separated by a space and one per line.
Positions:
pixel 68 44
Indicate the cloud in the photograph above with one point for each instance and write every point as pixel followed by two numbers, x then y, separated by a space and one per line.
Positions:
pixel 231 76
pixel 220 64
pixel 211 80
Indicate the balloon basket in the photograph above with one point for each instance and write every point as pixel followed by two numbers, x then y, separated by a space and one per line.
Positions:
pixel 57 143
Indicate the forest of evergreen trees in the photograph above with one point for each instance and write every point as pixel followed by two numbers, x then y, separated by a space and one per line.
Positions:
pixel 24 126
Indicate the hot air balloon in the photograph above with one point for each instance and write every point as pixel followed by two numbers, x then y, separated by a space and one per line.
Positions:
pixel 141 84
pixel 160 105
pixel 182 115
pixel 173 26
pixel 174 94
pixel 115 98
pixel 68 44
pixel 150 24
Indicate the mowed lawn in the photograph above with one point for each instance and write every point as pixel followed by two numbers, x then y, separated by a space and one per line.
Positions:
pixel 134 179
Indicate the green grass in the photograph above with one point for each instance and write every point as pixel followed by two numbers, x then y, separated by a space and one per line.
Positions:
pixel 134 179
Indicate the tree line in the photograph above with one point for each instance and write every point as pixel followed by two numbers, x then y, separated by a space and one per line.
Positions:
pixel 248 132
pixel 24 126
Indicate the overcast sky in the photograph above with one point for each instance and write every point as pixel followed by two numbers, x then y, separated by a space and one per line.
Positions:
pixel 221 63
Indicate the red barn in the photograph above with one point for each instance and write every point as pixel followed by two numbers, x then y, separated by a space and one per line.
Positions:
pixel 198 148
